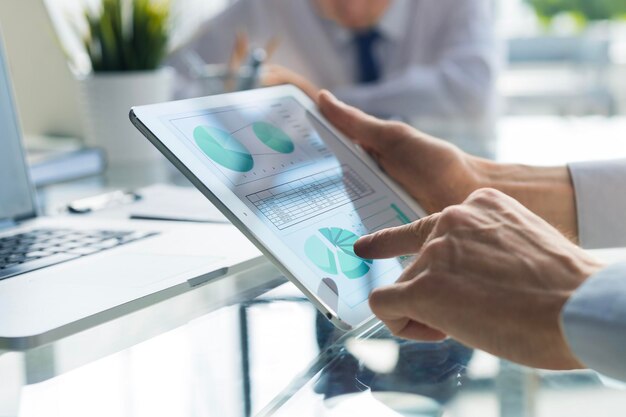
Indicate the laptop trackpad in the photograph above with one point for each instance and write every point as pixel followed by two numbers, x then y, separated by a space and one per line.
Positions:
pixel 131 269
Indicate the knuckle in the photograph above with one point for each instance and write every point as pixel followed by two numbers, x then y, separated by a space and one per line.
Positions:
pixel 377 300
pixel 418 230
pixel 440 255
pixel 427 282
pixel 424 289
pixel 375 296
pixel 434 290
pixel 485 196
pixel 453 216
pixel 435 249
pixel 399 128
pixel 374 299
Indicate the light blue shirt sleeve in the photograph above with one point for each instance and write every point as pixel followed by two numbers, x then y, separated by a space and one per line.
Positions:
pixel 594 322
pixel 600 188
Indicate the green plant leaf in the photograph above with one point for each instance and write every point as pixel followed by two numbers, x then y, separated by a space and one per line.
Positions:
pixel 128 35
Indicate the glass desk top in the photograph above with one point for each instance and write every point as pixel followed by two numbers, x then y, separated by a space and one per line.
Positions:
pixel 274 355
pixel 267 352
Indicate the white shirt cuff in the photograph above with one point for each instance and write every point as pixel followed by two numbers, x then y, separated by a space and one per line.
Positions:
pixel 600 188
pixel 594 322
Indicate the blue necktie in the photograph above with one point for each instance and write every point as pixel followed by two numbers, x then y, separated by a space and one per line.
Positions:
pixel 367 65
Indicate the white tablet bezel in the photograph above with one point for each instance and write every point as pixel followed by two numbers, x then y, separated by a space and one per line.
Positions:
pixel 148 119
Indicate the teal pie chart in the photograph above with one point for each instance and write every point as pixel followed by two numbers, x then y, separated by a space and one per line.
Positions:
pixel 273 137
pixel 222 148
pixel 333 251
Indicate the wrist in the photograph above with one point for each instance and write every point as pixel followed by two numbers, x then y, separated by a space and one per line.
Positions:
pixel 486 173
pixel 503 177
pixel 547 191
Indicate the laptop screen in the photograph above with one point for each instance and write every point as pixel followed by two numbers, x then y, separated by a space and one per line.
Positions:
pixel 16 200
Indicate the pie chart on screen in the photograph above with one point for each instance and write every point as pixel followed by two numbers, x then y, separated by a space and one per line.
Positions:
pixel 332 250
pixel 273 137
pixel 222 148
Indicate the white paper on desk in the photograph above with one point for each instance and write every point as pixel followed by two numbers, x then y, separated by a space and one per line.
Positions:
pixel 169 202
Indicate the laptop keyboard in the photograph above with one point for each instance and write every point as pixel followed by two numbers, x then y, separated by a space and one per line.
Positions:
pixel 36 249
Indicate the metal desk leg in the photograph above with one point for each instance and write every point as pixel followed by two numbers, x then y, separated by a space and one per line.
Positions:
pixel 517 388
pixel 11 382
pixel 245 359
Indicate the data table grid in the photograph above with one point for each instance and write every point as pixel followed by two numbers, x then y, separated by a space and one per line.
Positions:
pixel 297 201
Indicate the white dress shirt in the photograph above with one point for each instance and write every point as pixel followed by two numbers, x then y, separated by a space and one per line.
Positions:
pixel 437 57
pixel 600 202
pixel 594 319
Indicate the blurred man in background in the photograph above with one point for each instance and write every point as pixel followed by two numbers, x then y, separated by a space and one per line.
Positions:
pixel 394 58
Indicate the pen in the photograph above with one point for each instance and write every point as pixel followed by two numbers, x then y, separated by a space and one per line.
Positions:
pixel 255 60
pixel 272 47
pixel 238 55
pixel 99 202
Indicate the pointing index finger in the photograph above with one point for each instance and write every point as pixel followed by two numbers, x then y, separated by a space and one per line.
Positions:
pixel 396 241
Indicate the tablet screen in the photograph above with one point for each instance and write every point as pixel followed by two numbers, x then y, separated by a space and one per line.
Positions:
pixel 308 188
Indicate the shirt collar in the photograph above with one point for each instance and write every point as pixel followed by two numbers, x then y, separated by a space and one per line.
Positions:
pixel 392 26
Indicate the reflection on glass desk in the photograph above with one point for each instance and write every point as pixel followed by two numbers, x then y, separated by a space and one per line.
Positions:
pixel 273 355
pixel 436 379
pixel 377 372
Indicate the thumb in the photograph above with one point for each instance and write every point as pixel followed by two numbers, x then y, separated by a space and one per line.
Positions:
pixel 396 241
pixel 362 128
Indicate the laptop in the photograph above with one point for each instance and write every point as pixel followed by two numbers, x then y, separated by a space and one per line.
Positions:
pixel 62 275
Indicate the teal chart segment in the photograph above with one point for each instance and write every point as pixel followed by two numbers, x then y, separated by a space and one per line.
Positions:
pixel 333 251
pixel 273 137
pixel 223 148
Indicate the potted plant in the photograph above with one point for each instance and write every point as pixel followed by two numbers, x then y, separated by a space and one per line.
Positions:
pixel 126 41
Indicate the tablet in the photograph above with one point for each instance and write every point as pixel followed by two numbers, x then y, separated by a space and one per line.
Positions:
pixel 297 188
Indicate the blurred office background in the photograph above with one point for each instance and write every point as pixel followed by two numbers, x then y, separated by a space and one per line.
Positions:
pixel 563 63
pixel 556 62
pixel 562 98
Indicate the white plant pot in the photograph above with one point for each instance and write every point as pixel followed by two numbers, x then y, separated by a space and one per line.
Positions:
pixel 106 101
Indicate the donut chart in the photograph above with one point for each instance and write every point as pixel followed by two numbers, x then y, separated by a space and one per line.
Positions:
pixel 221 147
pixel 273 137
pixel 333 250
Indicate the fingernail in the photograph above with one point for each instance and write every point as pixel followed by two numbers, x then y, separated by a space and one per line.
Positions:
pixel 360 244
